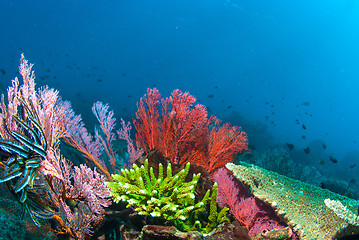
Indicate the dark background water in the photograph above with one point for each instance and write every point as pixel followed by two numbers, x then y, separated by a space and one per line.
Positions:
pixel 279 64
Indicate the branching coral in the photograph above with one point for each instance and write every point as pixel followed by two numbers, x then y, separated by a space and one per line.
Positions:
pixel 169 197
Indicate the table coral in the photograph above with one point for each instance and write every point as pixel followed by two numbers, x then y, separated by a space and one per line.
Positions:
pixel 299 204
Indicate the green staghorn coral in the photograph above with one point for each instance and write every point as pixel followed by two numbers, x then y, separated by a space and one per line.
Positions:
pixel 170 197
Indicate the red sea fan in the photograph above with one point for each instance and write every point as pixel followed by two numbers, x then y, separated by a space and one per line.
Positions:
pixel 224 142
pixel 182 131
pixel 184 126
pixel 147 121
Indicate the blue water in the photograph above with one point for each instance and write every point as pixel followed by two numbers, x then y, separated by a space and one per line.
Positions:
pixel 281 64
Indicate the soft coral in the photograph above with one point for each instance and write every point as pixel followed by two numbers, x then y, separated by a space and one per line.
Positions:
pixel 245 208
pixel 182 130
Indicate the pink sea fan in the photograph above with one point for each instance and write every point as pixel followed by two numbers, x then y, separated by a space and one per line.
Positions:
pixel 58 180
pixel 133 150
pixel 245 208
pixel 107 124
pixel 81 184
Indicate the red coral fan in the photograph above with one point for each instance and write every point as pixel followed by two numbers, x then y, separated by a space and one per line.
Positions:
pixel 245 208
pixel 224 142
pixel 148 123
pixel 182 131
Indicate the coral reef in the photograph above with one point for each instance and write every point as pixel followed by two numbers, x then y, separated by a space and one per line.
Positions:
pixel 299 204
pixel 174 188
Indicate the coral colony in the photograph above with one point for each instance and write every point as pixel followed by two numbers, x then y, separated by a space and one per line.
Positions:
pixel 179 181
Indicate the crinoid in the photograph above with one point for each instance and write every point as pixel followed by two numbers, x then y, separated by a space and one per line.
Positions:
pixel 23 151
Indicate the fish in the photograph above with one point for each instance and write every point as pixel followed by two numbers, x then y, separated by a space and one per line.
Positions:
pixel 352 166
pixel 324 146
pixel 210 96
pixel 333 159
pixel 321 161
pixel 250 146
pixel 304 137
pixel 304 127
pixel 307 150
pixel 290 146
pixel 352 181
pixel 306 103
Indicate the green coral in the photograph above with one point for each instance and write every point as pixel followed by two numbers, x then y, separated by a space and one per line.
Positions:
pixel 170 198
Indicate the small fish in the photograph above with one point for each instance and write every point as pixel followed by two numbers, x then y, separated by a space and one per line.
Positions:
pixel 229 107
pixel 297 121
pixel 304 127
pixel 352 181
pixel 2 71
pixel 250 146
pixel 333 159
pixel 321 161
pixel 307 150
pixel 72 203
pixel 99 80
pixel 290 146
pixel 216 87
pixel 352 166
pixel 304 137
pixel 306 103
pixel 210 96
pixel 324 146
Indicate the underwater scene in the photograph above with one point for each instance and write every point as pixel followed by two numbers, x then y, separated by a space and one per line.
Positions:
pixel 179 120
